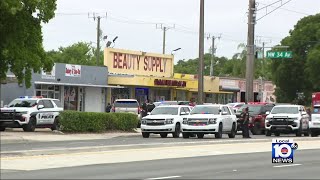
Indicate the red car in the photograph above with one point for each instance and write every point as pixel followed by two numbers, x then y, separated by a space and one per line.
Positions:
pixel 257 111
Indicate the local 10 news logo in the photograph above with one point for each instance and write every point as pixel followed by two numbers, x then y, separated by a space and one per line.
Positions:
pixel 283 150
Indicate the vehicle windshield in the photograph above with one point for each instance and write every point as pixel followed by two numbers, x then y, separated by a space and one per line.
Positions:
pixel 316 110
pixel 127 104
pixel 285 110
pixel 165 110
pixel 253 109
pixel 22 103
pixel 205 110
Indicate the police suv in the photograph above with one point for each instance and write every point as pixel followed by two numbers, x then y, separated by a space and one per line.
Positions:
pixel 163 120
pixel 210 119
pixel 30 112
pixel 287 119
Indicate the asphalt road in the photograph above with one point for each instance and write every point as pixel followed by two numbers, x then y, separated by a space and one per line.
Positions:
pixel 238 166
pixel 123 141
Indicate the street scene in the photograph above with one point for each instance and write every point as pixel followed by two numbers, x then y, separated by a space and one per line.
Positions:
pixel 177 89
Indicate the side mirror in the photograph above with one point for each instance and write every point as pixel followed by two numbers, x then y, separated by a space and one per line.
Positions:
pixel 268 112
pixel 148 113
pixel 224 113
pixel 40 106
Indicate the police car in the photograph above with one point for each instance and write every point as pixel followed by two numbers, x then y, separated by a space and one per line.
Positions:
pixel 29 112
pixel 314 123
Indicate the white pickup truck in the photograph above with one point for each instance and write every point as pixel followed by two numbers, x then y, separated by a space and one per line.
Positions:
pixel 287 119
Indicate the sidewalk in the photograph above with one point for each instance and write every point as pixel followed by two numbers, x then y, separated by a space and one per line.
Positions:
pixel 46 135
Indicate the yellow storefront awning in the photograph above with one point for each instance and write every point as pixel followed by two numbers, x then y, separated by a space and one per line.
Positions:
pixel 212 92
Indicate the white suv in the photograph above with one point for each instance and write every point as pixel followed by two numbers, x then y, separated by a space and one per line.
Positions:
pixel 314 123
pixel 163 120
pixel 30 112
pixel 210 119
pixel 287 119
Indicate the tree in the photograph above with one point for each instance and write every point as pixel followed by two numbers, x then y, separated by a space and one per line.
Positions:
pixel 21 49
pixel 79 53
pixel 299 74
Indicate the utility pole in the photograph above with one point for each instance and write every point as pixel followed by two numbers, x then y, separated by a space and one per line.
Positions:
pixel 250 52
pixel 98 34
pixel 201 54
pixel 213 51
pixel 164 41
pixel 164 29
pixel 98 40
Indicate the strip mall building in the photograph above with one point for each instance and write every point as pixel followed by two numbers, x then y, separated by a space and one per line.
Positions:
pixel 151 76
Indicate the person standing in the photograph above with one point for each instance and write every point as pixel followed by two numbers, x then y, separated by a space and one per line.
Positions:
pixel 150 106
pixel 108 108
pixel 245 122
pixel 192 102
pixel 144 109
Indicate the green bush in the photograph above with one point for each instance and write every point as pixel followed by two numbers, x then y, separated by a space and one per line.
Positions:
pixel 75 121
pixel 126 121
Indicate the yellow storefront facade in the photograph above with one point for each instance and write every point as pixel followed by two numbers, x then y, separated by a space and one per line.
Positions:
pixel 150 76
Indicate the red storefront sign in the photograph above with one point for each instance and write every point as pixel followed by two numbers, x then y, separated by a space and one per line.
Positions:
pixel 163 82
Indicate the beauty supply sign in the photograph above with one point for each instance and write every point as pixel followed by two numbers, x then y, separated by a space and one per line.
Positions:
pixel 138 63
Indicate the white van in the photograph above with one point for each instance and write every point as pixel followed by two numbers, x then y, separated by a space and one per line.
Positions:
pixel 126 105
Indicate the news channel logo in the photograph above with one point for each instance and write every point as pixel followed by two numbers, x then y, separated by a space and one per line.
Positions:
pixel 283 150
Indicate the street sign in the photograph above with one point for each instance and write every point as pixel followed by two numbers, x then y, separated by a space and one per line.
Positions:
pixel 279 54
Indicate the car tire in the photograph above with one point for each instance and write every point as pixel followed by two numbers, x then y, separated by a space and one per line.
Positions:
pixel 256 130
pixel 233 132
pixel 145 134
pixel 185 135
pixel 2 128
pixel 307 133
pixel 299 131
pixel 268 133
pixel 314 134
pixel 31 126
pixel 177 131
pixel 218 135
pixel 164 135
pixel 277 134
pixel 56 124
pixel 200 135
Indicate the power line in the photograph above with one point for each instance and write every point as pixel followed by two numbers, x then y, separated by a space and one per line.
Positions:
pixel 290 10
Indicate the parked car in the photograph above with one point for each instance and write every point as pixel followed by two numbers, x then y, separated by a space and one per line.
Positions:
pixel 210 119
pixel 314 123
pixel 29 112
pixel 235 106
pixel 164 120
pixel 164 103
pixel 257 112
pixel 287 119
pixel 126 105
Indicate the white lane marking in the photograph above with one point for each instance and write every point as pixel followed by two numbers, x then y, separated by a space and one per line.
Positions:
pixel 167 177
pixel 287 165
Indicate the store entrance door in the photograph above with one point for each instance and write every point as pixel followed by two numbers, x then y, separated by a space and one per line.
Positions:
pixel 142 94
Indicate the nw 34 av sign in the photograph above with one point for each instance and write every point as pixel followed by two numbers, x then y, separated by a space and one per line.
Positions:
pixel 279 54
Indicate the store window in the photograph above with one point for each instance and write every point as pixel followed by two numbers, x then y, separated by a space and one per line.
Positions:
pixel 120 93
pixel 48 91
pixel 71 98
pixel 161 95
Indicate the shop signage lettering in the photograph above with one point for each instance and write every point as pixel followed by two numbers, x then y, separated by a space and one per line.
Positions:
pixel 73 70
pixel 49 75
pixel 163 82
pixel 136 62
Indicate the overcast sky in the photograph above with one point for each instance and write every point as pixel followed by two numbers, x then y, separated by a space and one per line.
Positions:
pixel 134 22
